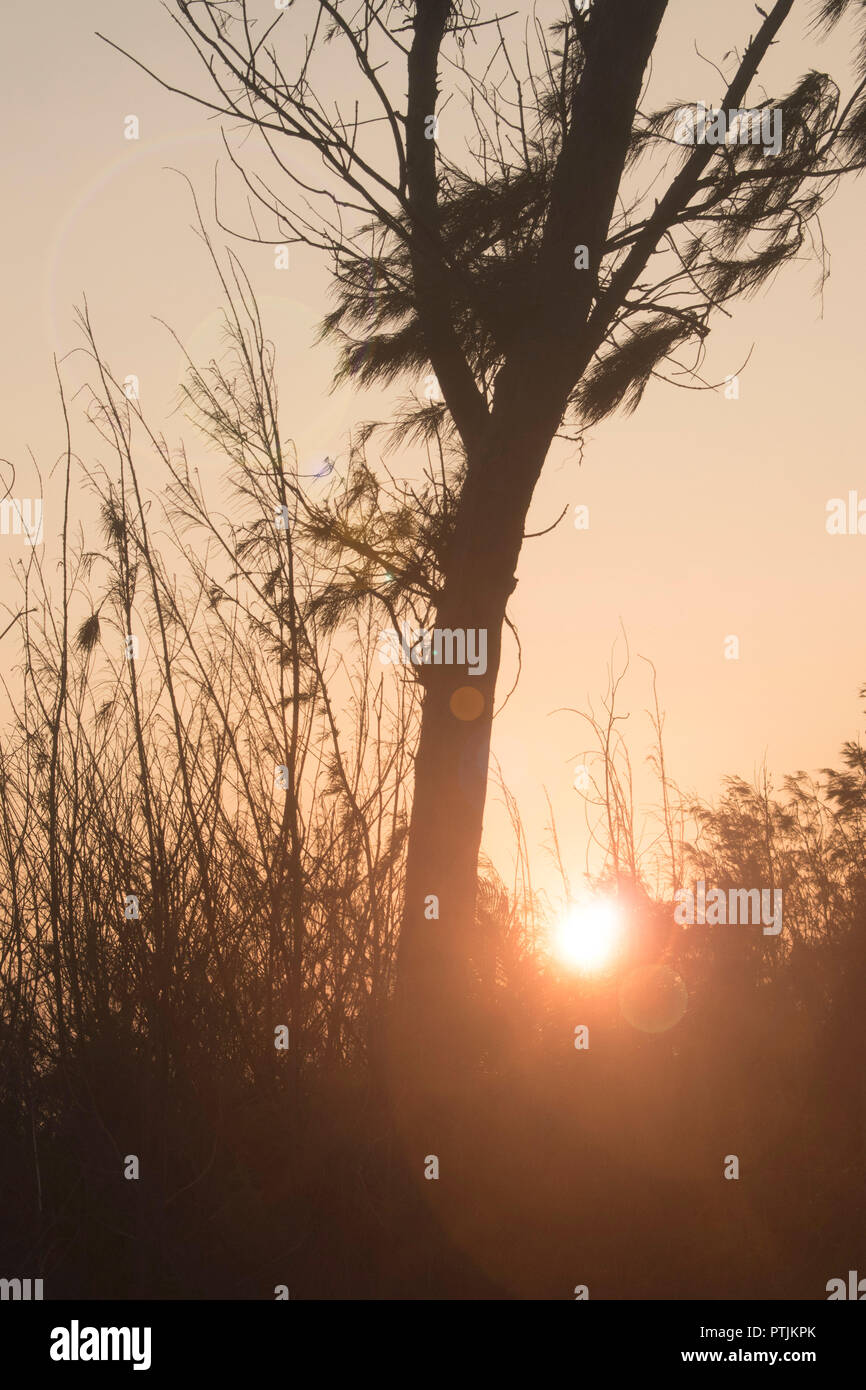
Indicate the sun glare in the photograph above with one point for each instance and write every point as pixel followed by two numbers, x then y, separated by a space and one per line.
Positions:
pixel 589 934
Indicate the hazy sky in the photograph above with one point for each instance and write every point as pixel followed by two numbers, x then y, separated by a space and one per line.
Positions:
pixel 707 515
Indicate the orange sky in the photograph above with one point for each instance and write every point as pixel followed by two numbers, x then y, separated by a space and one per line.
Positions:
pixel 706 515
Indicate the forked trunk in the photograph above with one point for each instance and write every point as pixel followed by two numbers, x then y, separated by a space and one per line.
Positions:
pixel 438 944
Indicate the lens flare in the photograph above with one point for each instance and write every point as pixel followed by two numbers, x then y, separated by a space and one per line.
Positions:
pixel 653 998
pixel 589 935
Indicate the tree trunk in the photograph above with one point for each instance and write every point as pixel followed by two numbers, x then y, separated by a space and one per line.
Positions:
pixel 435 965
pixel 545 357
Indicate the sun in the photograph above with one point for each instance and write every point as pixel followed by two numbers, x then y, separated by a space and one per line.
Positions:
pixel 589 934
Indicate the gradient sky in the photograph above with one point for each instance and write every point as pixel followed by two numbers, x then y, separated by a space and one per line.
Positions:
pixel 707 515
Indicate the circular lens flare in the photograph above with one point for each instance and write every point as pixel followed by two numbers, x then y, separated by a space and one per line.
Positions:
pixel 653 998
pixel 589 935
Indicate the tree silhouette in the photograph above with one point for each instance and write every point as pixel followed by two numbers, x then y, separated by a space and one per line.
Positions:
pixel 576 249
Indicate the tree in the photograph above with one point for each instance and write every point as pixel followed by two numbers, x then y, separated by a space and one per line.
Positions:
pixel 544 281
